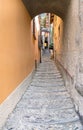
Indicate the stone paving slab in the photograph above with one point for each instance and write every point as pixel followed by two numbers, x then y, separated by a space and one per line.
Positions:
pixel 46 104
pixel 48 77
pixel 46 89
pixel 46 95
pixel 26 120
pixel 44 115
pixel 48 81
pixel 48 74
pixel 23 125
pixel 48 84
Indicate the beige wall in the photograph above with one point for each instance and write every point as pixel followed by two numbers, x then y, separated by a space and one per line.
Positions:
pixel 69 52
pixel 16 47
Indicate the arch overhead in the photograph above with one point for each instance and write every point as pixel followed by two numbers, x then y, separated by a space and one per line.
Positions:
pixel 36 7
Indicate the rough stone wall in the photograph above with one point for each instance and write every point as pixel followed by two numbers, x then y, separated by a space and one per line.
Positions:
pixel 79 85
pixel 70 38
pixel 71 55
pixel 79 81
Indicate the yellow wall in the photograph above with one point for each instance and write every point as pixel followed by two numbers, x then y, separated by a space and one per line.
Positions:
pixel 16 47
pixel 37 51
pixel 58 36
pixel 35 40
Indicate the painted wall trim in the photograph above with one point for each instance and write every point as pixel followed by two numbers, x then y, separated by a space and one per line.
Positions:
pixel 9 104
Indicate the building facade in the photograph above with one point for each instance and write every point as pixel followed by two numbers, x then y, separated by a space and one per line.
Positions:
pixel 18 53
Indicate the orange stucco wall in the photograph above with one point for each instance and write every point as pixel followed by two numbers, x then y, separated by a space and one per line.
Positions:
pixel 37 51
pixel 58 36
pixel 16 46
pixel 35 40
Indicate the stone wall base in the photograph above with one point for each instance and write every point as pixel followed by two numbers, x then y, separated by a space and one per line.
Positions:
pixel 9 104
pixel 70 86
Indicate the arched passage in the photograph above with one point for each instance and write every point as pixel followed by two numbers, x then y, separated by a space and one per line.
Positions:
pixel 70 56
pixel 16 57
pixel 58 7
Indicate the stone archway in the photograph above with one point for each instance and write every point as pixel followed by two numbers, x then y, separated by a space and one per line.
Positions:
pixel 58 7
pixel 70 58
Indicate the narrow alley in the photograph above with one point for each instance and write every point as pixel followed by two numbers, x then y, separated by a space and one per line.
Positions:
pixel 46 104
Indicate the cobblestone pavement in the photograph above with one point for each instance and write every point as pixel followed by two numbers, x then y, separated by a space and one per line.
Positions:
pixel 46 104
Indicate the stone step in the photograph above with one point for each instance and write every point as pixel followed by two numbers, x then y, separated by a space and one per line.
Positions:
pixel 48 79
pixel 48 104
pixel 48 75
pixel 56 83
pixel 46 89
pixel 45 116
pixel 46 69
pixel 47 84
pixel 49 96
pixel 35 126
pixel 22 124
